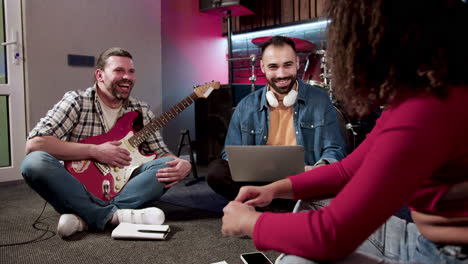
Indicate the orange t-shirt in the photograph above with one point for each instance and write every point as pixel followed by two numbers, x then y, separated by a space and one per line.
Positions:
pixel 281 130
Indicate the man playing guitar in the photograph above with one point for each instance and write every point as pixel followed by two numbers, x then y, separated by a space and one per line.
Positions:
pixel 89 113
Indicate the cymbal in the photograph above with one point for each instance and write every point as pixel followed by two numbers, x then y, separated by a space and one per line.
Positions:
pixel 301 44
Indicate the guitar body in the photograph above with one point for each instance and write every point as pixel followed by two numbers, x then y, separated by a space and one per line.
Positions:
pixel 104 181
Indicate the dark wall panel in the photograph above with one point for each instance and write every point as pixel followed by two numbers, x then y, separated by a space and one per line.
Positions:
pixel 270 13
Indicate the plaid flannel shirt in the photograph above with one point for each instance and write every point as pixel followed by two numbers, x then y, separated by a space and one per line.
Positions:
pixel 78 115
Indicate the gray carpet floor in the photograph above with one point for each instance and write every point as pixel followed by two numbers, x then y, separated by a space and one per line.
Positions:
pixel 193 213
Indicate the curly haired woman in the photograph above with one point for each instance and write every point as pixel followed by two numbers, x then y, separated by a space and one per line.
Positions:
pixel 411 58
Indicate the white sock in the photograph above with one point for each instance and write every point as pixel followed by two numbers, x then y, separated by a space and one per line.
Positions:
pixel 147 216
pixel 115 219
pixel 69 224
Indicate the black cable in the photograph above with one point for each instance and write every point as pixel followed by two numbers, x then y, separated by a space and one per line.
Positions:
pixel 35 226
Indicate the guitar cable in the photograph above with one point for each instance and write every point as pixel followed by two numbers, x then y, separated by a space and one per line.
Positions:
pixel 36 225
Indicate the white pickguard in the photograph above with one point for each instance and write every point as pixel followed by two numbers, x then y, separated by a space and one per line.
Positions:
pixel 121 176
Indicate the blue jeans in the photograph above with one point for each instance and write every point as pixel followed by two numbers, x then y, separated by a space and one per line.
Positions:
pixel 48 177
pixel 396 241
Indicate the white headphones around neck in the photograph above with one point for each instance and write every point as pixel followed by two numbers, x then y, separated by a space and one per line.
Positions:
pixel 288 100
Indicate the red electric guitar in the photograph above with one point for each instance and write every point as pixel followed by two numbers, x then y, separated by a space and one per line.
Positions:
pixel 105 181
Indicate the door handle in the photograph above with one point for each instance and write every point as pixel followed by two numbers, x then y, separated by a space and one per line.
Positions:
pixel 13 41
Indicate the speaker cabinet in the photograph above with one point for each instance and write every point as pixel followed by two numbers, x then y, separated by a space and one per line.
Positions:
pixel 239 91
pixel 212 116
pixel 236 7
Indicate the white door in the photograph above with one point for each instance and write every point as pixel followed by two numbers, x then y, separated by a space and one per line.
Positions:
pixel 12 106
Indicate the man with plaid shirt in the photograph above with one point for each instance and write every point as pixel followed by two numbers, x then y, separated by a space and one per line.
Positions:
pixel 88 113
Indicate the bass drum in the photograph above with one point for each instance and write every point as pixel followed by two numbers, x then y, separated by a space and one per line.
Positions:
pixel 347 129
pixel 313 72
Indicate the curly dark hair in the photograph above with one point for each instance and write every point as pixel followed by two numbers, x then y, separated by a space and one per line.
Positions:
pixel 384 49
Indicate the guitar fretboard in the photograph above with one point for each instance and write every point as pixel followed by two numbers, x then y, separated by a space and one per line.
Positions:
pixel 157 123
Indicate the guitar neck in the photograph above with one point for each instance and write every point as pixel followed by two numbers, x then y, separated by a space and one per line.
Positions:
pixel 161 121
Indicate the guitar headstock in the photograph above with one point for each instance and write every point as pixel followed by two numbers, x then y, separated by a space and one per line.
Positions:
pixel 203 91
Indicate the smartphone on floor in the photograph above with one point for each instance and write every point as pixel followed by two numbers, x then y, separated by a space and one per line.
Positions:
pixel 255 258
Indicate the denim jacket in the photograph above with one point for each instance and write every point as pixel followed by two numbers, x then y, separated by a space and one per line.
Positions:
pixel 314 118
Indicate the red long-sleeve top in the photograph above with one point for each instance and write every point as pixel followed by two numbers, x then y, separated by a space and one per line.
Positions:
pixel 416 151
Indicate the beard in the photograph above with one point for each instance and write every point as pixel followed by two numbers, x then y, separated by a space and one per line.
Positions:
pixel 121 89
pixel 282 89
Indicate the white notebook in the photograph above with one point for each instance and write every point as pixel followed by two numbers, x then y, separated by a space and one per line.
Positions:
pixel 136 231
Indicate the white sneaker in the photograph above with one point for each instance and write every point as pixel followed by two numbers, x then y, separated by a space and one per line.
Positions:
pixel 147 216
pixel 69 224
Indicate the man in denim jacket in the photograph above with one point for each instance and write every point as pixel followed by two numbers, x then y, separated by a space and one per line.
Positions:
pixel 284 112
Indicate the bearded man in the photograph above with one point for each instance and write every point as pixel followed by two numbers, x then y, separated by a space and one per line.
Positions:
pixel 285 112
pixel 93 112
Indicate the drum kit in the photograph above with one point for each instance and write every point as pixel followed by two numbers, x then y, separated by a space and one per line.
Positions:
pixel 318 74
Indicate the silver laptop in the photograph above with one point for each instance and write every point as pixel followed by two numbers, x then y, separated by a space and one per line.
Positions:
pixel 264 163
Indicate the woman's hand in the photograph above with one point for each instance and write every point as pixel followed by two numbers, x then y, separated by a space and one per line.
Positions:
pixel 239 219
pixel 255 196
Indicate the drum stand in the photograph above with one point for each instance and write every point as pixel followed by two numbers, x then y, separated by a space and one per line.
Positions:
pixel 327 80
pixel 186 141
pixel 305 68
pixel 252 78
pixel 326 75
